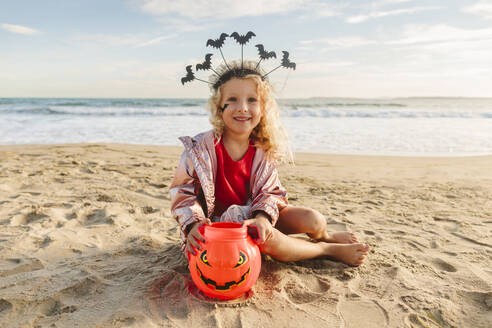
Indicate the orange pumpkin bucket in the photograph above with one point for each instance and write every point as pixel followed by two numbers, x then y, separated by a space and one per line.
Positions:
pixel 229 263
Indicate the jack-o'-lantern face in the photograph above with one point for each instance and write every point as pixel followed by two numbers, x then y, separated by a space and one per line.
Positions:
pixel 229 284
pixel 228 265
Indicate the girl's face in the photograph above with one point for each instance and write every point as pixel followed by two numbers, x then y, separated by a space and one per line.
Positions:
pixel 243 111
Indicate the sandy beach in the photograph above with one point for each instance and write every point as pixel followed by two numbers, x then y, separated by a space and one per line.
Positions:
pixel 87 240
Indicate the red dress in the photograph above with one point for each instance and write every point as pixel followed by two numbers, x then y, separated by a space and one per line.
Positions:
pixel 232 180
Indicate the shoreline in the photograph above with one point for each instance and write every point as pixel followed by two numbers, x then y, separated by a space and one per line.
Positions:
pixel 87 239
pixel 302 153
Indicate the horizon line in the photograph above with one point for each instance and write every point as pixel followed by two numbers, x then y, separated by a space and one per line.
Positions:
pixel 313 97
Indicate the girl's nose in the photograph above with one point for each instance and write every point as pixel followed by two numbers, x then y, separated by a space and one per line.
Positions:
pixel 243 106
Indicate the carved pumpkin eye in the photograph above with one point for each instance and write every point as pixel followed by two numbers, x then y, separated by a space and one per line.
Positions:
pixel 241 261
pixel 204 259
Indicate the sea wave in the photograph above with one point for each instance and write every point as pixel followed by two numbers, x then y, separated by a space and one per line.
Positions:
pixel 285 111
pixel 99 102
pixel 108 111
pixel 341 104
pixel 362 113
pixel 312 107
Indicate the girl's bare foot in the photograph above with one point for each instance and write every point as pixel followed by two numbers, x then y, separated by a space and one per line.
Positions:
pixel 339 237
pixel 352 254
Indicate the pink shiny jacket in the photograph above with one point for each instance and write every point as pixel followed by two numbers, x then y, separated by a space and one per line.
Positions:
pixel 193 187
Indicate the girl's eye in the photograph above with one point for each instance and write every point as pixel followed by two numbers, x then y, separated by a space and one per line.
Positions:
pixel 252 99
pixel 232 99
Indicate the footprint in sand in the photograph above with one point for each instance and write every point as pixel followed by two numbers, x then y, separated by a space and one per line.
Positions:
pixel 488 301
pixel 414 320
pixel 53 307
pixel 149 210
pixel 98 217
pixel 367 314
pixel 5 306
pixel 86 286
pixel 28 218
pixel 336 226
pixel 12 266
pixel 306 290
pixel 480 299
pixel 443 265
pixel 434 320
pixel 45 242
pixel 166 297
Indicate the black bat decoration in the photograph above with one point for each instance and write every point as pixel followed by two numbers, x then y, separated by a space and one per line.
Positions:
pixel 206 64
pixel 286 62
pixel 217 43
pixel 242 39
pixel 189 75
pixel 264 54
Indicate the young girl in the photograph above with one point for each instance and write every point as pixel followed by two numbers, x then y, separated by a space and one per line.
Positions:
pixel 229 174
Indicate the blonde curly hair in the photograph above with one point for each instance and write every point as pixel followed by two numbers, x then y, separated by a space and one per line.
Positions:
pixel 269 134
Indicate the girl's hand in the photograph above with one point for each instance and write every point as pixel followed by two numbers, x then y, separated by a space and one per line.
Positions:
pixel 195 238
pixel 263 225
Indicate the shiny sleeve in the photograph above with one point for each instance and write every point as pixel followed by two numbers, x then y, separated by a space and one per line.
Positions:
pixel 268 195
pixel 185 207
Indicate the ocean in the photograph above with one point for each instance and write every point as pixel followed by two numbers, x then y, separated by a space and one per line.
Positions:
pixel 396 126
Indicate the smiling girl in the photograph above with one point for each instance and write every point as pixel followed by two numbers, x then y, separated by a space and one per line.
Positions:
pixel 229 174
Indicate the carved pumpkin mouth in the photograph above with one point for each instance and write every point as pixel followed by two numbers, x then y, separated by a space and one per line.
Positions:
pixel 225 287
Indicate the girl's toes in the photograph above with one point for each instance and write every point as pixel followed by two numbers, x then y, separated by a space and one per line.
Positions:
pixel 362 247
pixel 358 263
pixel 360 260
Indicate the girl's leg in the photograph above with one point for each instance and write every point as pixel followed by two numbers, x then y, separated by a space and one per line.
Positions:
pixel 286 248
pixel 294 219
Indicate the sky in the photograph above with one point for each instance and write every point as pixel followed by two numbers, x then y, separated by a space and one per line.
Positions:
pixel 139 48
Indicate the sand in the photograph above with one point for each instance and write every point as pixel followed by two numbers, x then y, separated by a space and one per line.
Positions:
pixel 87 240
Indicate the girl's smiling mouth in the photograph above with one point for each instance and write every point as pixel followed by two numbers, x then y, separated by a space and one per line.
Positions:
pixel 242 118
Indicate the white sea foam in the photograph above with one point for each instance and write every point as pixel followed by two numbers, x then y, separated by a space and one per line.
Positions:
pixel 408 126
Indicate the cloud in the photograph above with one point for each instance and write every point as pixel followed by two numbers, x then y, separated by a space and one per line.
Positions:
pixel 220 9
pixel 389 2
pixel 323 67
pixel 414 34
pixel 155 40
pixel 362 18
pixel 19 29
pixel 107 40
pixel 178 25
pixel 342 42
pixel 481 8
pixel 314 9
pixel 432 50
pixel 130 40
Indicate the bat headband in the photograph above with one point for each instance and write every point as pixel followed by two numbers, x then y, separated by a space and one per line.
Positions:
pixel 234 69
